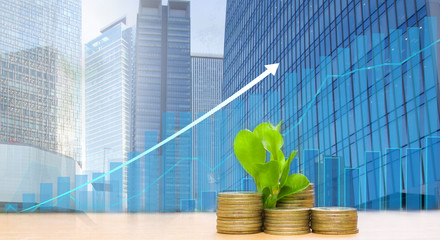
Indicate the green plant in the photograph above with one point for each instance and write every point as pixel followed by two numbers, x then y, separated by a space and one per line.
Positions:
pixel 272 177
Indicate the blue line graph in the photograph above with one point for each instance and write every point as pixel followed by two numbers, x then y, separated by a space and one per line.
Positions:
pixel 157 180
pixel 270 69
pixel 349 73
pixel 233 97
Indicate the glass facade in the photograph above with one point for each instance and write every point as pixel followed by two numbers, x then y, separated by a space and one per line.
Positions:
pixel 162 101
pixel 357 91
pixel 108 86
pixel 41 86
pixel 207 78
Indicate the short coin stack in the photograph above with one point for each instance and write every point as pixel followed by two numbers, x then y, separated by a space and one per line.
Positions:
pixel 286 221
pixel 303 199
pixel 239 212
pixel 334 220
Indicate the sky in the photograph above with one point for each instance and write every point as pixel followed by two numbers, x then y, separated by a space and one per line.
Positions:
pixel 207 21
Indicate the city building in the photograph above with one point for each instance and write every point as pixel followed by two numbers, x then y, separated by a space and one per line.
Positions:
pixel 207 78
pixel 31 170
pixel 162 101
pixel 40 81
pixel 109 66
pixel 357 91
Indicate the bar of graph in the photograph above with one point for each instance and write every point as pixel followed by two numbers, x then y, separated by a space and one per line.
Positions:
pixel 414 179
pixel 133 184
pixel 209 201
pixel 332 181
pixel 28 200
pixel 98 193
pixel 81 195
pixel 393 179
pixel 352 187
pixel 115 188
pixel 373 177
pixel 63 185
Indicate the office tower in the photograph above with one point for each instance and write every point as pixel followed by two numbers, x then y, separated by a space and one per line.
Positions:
pixel 163 98
pixel 108 85
pixel 41 91
pixel 41 75
pixel 357 90
pixel 207 78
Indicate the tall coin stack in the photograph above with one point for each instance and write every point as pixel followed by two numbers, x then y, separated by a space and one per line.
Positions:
pixel 239 212
pixel 334 220
pixel 286 221
pixel 303 199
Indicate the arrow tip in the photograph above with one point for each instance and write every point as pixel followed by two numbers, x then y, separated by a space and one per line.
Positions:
pixel 272 68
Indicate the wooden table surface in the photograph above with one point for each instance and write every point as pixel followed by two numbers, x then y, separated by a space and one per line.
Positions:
pixel 372 225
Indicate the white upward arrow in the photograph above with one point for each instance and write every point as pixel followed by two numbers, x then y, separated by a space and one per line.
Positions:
pixel 270 69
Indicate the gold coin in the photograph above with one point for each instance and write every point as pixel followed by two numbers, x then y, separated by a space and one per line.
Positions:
pixel 234 222
pixel 287 217
pixel 292 198
pixel 286 225
pixel 239 232
pixel 293 205
pixel 330 229
pixel 238 207
pixel 334 218
pixel 333 213
pixel 239 227
pixel 240 199
pixel 245 211
pixel 287 211
pixel 334 210
pixel 258 218
pixel 240 194
pixel 296 201
pixel 336 232
pixel 238 204
pixel 239 215
pixel 337 222
pixel 331 224
pixel 304 228
pixel 286 233
pixel 288 220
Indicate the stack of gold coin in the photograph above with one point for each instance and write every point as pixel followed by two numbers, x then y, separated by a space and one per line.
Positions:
pixel 334 220
pixel 287 221
pixel 239 212
pixel 303 199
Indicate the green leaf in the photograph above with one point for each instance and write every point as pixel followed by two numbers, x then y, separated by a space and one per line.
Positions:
pixel 250 152
pixel 278 126
pixel 268 174
pixel 295 183
pixel 272 140
pixel 261 129
pixel 266 192
pixel 280 156
pixel 286 169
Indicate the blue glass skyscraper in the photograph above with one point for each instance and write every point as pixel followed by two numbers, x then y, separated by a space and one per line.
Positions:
pixel 162 101
pixel 357 91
